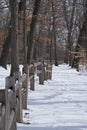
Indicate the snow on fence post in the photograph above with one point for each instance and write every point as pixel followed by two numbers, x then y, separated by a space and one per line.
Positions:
pixel 10 111
pixel 31 77
pixel 18 90
pixel 25 87
pixel 2 109
pixel 48 71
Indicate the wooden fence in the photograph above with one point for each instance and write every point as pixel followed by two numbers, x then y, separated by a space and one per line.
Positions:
pixel 13 99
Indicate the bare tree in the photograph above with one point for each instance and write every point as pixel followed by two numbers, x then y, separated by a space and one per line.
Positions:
pixel 6 25
pixel 24 32
pixel 32 30
pixel 70 24
pixel 82 39
pixel 14 36
pixel 54 33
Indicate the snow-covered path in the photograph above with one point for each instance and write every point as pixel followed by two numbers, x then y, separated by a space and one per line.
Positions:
pixel 59 104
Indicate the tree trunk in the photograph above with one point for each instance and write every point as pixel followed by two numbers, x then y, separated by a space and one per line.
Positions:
pixel 51 48
pixel 14 36
pixel 69 24
pixel 54 35
pixel 32 30
pixel 82 40
pixel 24 31
pixel 5 51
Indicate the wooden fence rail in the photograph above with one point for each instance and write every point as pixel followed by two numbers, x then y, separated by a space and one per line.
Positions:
pixel 13 99
pixel 2 109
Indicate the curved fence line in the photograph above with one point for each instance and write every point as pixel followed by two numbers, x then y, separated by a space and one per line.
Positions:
pixel 13 99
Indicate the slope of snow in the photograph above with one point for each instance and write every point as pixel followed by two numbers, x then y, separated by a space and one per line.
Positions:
pixel 59 104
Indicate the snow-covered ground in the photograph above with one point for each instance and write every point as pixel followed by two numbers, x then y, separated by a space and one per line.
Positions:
pixel 3 74
pixel 59 104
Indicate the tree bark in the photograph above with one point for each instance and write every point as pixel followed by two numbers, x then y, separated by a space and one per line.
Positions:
pixel 14 36
pixel 51 47
pixel 24 31
pixel 54 35
pixel 32 30
pixel 69 24
pixel 5 51
pixel 82 40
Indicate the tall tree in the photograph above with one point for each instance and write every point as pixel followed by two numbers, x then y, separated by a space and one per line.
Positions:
pixel 82 39
pixel 69 23
pixel 14 36
pixel 5 51
pixel 54 33
pixel 24 31
pixel 32 30
pixel 6 43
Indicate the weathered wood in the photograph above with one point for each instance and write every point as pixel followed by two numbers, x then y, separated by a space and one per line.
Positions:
pixel 31 77
pixel 10 104
pixel 45 73
pixel 36 68
pixel 40 73
pixel 23 77
pixel 14 97
pixel 2 96
pixel 25 87
pixel 2 118
pixel 48 72
pixel 2 109
pixel 19 113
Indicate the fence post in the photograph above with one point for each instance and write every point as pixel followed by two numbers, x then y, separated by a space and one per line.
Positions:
pixel 41 73
pixel 25 87
pixel 31 76
pixel 48 71
pixel 19 113
pixel 2 109
pixel 1 123
pixel 10 104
